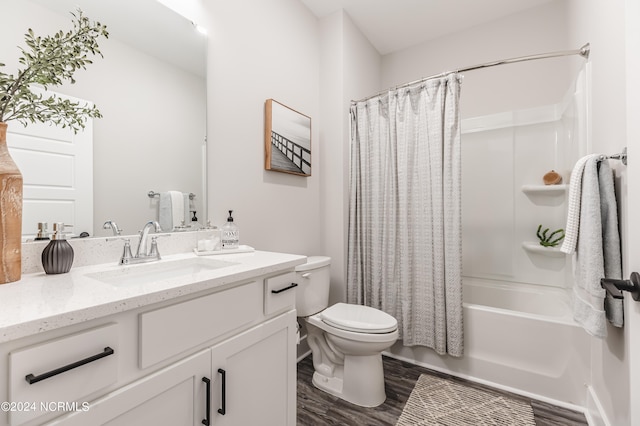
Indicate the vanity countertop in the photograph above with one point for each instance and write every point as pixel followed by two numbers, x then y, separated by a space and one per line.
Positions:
pixel 41 302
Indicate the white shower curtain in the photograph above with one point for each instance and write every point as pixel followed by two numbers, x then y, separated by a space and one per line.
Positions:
pixel 404 254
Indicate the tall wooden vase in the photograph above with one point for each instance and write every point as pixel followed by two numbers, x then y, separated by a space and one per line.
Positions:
pixel 10 214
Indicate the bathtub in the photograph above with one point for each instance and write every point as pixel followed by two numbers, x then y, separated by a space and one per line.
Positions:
pixel 517 337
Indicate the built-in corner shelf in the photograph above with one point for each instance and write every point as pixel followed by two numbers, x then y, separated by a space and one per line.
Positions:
pixel 535 247
pixel 545 189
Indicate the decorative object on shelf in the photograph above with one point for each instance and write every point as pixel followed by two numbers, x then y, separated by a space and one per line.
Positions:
pixel 552 178
pixel 287 140
pixel 550 240
pixel 47 61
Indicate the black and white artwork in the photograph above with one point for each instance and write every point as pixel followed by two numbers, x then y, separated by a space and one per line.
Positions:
pixel 287 139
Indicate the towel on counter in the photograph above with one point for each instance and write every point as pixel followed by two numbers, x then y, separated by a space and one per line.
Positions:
pixel 597 247
pixel 171 210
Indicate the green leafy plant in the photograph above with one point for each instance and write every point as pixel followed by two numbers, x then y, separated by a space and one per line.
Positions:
pixel 50 61
pixel 552 239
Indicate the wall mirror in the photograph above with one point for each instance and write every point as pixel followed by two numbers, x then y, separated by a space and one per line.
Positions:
pixel 151 89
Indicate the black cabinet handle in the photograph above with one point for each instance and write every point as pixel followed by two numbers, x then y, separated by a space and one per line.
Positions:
pixel 34 379
pixel 223 410
pixel 293 285
pixel 207 419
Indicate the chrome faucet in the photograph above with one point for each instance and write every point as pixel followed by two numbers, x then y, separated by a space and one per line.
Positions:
pixel 142 255
pixel 113 226
pixel 142 245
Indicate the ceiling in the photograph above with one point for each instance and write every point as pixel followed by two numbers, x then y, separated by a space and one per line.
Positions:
pixel 392 25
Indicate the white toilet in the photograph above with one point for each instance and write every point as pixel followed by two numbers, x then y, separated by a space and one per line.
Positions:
pixel 346 341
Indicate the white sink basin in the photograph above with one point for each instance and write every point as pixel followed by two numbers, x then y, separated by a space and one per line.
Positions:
pixel 160 271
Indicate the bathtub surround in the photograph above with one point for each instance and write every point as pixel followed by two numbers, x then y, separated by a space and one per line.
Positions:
pixel 404 235
pixel 593 222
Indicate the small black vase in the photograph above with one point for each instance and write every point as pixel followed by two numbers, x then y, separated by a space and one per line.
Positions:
pixel 57 257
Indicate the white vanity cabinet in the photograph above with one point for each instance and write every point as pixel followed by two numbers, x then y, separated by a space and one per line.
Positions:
pixel 175 395
pixel 222 357
pixel 255 375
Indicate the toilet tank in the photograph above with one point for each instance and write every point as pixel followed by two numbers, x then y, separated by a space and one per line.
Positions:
pixel 313 278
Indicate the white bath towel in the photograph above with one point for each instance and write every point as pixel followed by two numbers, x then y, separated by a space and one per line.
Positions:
pixel 573 210
pixel 171 210
pixel 588 300
pixel 597 253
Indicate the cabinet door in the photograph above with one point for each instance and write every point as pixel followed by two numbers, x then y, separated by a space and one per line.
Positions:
pixel 254 376
pixel 173 396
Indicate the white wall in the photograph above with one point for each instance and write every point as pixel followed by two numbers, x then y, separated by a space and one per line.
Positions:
pixel 603 25
pixel 632 308
pixel 502 88
pixel 350 69
pixel 260 50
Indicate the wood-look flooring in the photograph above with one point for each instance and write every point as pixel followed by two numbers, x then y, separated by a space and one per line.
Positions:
pixel 316 408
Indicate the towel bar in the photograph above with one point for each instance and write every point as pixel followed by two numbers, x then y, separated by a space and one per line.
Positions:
pixel 615 287
pixel 152 194
pixel 621 156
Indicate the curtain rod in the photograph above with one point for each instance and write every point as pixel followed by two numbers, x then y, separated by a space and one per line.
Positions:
pixel 583 51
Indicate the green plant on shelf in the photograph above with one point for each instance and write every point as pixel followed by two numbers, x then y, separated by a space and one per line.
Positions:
pixel 552 239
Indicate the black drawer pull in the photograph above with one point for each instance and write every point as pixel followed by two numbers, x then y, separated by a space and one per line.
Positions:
pixel 34 379
pixel 223 410
pixel 207 419
pixel 293 285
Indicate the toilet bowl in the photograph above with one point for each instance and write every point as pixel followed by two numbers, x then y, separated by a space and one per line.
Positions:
pixel 346 340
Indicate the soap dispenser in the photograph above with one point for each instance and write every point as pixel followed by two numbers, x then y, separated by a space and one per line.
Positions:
pixel 57 256
pixel 230 234
pixel 42 232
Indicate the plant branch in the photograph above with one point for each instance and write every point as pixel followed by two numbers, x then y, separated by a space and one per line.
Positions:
pixel 49 61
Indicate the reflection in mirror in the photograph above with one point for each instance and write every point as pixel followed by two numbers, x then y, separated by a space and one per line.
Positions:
pixel 151 89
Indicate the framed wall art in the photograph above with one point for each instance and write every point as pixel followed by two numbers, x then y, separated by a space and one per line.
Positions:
pixel 287 140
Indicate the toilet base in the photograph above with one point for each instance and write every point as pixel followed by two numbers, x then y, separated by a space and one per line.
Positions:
pixel 362 381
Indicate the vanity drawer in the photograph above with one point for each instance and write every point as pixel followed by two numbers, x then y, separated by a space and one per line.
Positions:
pixel 280 293
pixel 169 331
pixel 62 370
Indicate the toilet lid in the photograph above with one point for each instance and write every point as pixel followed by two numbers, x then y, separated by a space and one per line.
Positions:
pixel 357 318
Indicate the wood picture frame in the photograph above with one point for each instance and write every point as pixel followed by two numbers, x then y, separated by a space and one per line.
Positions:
pixel 287 139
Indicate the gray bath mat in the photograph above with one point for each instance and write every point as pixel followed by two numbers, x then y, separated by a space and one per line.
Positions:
pixel 436 401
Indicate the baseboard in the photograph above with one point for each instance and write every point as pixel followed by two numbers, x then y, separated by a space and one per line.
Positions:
pixel 594 412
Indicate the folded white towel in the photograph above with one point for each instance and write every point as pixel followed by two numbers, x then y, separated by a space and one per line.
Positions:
pixel 588 300
pixel 597 252
pixel 171 210
pixel 573 210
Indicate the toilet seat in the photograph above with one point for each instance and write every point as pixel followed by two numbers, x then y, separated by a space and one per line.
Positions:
pixel 359 319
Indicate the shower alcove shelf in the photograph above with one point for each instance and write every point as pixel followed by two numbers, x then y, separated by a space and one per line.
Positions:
pixel 534 247
pixel 543 190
